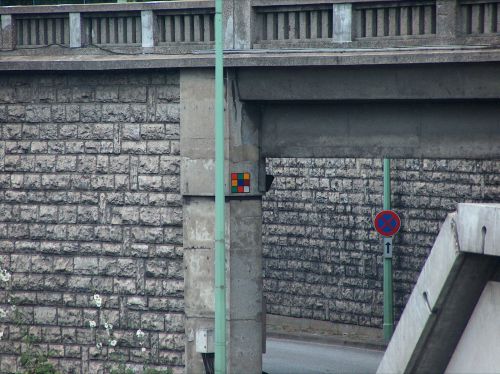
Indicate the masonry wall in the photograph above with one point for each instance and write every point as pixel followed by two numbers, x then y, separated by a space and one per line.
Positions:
pixel 90 204
pixel 322 258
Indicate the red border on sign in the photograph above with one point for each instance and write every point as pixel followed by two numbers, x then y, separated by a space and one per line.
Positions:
pixel 379 223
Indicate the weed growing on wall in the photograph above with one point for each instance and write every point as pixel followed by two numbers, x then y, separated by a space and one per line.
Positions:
pixel 33 359
pixel 107 339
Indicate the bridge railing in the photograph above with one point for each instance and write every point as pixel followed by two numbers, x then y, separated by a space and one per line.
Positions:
pixel 184 26
pixel 176 27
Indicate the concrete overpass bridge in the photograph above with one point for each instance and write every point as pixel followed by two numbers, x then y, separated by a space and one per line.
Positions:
pixel 304 78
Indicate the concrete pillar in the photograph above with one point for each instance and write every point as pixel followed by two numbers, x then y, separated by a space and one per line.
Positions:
pixel 245 236
pixel 238 21
pixel 75 30
pixel 197 188
pixel 8 32
pixel 447 18
pixel 342 23
pixel 148 29
pixel 243 222
pixel 245 286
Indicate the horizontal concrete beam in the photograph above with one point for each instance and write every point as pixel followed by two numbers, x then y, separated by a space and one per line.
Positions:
pixel 159 59
pixel 399 129
pixel 403 82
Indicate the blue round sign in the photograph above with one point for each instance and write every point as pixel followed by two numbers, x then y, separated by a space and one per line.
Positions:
pixel 387 223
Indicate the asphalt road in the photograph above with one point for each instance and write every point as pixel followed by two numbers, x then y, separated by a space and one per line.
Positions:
pixel 298 357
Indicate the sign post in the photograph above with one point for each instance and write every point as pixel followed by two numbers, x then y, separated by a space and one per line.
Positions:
pixel 387 223
pixel 388 291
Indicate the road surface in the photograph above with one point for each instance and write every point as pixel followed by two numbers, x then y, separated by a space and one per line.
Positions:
pixel 298 357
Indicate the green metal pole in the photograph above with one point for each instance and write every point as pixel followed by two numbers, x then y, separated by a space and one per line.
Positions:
pixel 220 245
pixel 388 293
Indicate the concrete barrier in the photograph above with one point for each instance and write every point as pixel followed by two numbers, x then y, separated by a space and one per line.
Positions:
pixel 443 317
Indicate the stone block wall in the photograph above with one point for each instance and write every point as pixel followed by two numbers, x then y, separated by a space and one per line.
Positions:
pixel 90 204
pixel 322 257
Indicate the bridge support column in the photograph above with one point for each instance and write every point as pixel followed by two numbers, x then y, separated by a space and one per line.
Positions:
pixel 243 222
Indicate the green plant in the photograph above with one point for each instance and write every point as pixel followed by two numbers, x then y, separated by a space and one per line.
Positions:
pixel 33 360
pixel 156 371
pixel 36 363
pixel 122 369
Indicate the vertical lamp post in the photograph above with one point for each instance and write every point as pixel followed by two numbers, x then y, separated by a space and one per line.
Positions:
pixel 220 255
pixel 388 297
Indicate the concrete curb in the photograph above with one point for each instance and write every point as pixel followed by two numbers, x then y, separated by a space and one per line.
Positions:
pixel 328 339
pixel 326 332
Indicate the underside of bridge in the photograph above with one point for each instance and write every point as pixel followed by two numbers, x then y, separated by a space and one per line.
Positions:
pixel 400 111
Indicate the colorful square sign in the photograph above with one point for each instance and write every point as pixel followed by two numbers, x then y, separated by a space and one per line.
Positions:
pixel 240 182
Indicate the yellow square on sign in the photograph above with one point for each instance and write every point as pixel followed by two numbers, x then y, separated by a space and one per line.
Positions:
pixel 246 176
pixel 234 183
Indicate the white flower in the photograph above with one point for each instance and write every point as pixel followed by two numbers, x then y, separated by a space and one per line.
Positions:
pixel 97 300
pixel 5 275
pixel 92 324
pixel 112 343
pixel 108 326
pixel 143 349
pixel 13 308
pixel 1 335
pixel 140 334
pixel 3 313
pixel 99 345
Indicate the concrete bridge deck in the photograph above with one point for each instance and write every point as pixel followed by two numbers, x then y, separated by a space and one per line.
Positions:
pixel 258 33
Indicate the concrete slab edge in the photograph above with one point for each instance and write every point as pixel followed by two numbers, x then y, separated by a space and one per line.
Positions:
pixel 254 59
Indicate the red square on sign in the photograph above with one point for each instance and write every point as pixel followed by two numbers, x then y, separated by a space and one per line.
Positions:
pixel 241 189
